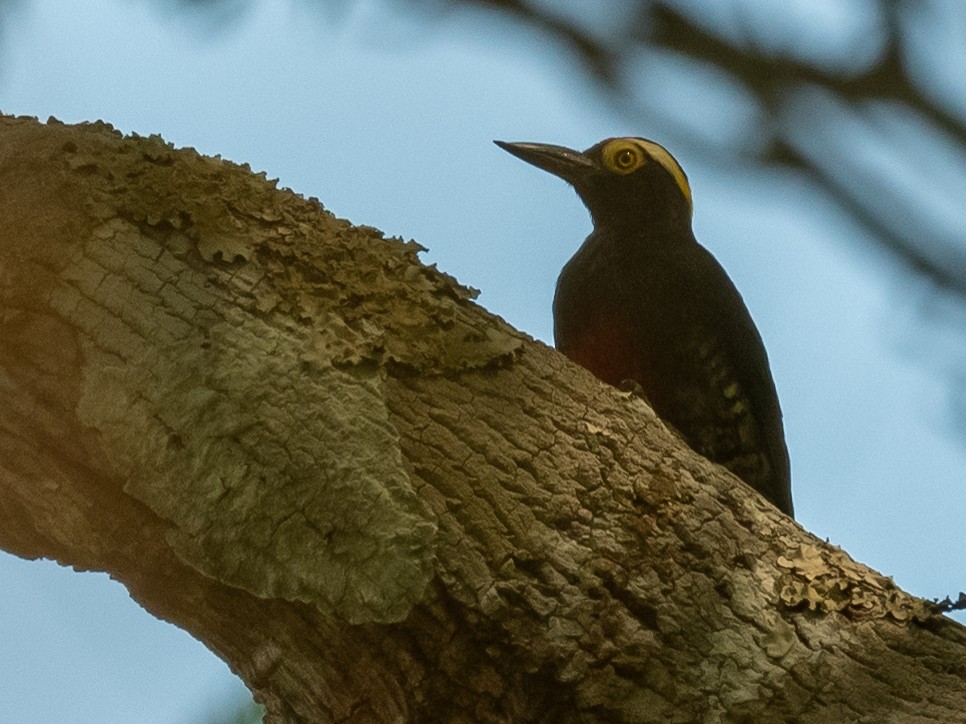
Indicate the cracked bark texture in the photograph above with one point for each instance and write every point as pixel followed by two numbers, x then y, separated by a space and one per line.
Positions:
pixel 376 501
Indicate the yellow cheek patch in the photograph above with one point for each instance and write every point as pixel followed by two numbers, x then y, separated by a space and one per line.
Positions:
pixel 614 150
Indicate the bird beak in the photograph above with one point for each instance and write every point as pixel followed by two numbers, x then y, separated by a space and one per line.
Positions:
pixel 572 166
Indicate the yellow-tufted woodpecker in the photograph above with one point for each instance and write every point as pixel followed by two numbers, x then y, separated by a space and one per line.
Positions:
pixel 642 302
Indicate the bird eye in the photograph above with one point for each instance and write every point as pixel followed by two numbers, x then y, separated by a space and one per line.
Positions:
pixel 625 158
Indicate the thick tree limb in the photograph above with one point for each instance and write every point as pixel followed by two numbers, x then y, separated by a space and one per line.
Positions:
pixel 376 501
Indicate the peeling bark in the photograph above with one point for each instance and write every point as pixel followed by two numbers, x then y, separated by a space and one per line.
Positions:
pixel 376 501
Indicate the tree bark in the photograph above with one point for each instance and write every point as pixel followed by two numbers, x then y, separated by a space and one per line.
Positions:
pixel 378 502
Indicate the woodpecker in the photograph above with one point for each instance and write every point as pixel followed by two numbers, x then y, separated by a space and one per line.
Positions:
pixel 642 302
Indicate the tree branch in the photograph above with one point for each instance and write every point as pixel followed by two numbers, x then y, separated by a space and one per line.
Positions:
pixel 378 502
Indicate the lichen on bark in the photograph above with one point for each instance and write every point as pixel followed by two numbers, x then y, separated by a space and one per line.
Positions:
pixel 254 422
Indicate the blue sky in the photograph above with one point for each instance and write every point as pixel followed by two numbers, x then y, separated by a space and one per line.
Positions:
pixel 389 121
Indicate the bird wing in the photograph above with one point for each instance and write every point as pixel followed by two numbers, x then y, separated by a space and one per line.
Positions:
pixel 720 337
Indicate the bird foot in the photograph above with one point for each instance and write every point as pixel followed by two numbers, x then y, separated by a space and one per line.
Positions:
pixel 633 389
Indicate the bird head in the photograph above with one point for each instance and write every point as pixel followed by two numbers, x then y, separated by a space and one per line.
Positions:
pixel 622 181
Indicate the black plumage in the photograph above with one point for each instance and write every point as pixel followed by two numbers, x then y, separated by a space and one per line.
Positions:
pixel 642 301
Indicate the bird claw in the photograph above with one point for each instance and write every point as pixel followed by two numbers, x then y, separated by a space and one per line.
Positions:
pixel 633 389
